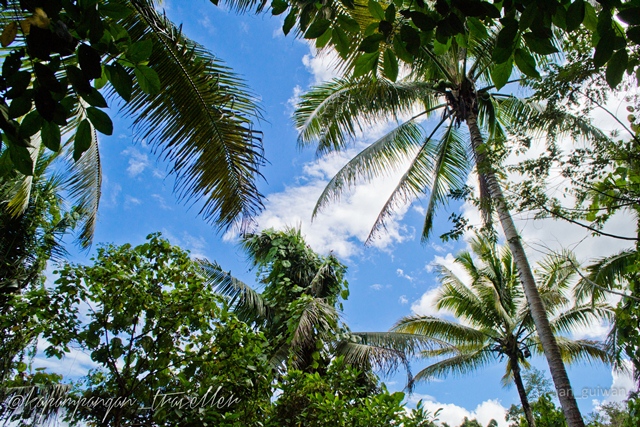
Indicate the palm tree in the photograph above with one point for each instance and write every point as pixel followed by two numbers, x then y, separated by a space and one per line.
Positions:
pixel 299 307
pixel 457 84
pixel 201 120
pixel 495 318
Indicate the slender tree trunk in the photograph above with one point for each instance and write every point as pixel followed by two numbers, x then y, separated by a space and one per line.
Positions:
pixel 515 367
pixel 538 312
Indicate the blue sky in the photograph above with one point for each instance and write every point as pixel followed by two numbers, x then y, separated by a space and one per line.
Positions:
pixel 389 279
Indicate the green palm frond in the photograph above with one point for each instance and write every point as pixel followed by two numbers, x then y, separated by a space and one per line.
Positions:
pixel 201 122
pixel 437 168
pixel 334 111
pixel 432 327
pixel 607 273
pixel 248 304
pixel 384 155
pixel 582 351
pixel 85 183
pixel 581 316
pixel 316 319
pixel 461 364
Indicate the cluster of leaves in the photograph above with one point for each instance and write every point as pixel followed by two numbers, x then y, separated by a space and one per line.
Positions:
pixel 155 328
pixel 340 398
pixel 375 35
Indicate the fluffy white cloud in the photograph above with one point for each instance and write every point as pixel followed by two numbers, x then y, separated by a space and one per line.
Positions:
pixel 323 66
pixel 138 161
pixel 454 415
pixel 403 300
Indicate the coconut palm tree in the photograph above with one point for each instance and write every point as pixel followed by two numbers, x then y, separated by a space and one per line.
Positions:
pixel 454 83
pixel 200 119
pixel 495 321
pixel 299 307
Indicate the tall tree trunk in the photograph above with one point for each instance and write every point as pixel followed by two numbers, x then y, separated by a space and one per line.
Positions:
pixel 538 312
pixel 515 368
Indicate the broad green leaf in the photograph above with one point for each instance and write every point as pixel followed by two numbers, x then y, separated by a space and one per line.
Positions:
pixel 590 17
pixel 539 45
pixel 30 125
pixel 340 41
pixel 365 63
pixel 289 21
pixel 120 80
pixel 140 51
pixel 400 50
pixel 604 49
pixel 82 140
pixel 147 79
pixel 100 120
pixel 50 134
pixel 95 98
pixel 20 106
pixel 318 28
pixel 526 63
pixel 115 11
pixel 633 34
pixel 376 10
pixel 500 73
pixel 323 39
pixel 575 14
pixel 371 44
pixel 616 68
pixel 348 23
pixel 390 65
pixel 476 28
pixel 21 159
pixel 278 7
pixel 630 15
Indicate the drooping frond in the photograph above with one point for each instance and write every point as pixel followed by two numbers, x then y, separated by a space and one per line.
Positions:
pixel 201 121
pixel 334 111
pixel 458 365
pixel 248 304
pixel 581 316
pixel 440 329
pixel 607 273
pixel 379 158
pixel 581 351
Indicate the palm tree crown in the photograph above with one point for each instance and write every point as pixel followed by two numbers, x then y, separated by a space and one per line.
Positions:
pixel 495 320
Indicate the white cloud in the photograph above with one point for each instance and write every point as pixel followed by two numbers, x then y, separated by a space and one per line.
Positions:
pixel 376 286
pixel 130 201
pixel 454 415
pixel 425 306
pixel 342 227
pixel 138 161
pixel 403 300
pixel 400 272
pixel 294 100
pixel 322 65
pixel 197 245
pixel 161 202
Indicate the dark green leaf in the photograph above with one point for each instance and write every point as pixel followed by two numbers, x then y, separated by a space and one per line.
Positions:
pixel 365 63
pixel 148 80
pixel 278 7
pixel 507 35
pixel 21 159
pixel 616 68
pixel 50 134
pixel 323 39
pixel 140 51
pixel 82 140
pixel 633 34
pixel 604 48
pixel 400 50
pixel 575 15
pixel 100 120
pixel 477 28
pixel 45 104
pixel 385 27
pixel 376 10
pixel 526 63
pixel 90 62
pixel 423 21
pixel 590 17
pixel 340 41
pixel 289 21
pixel 411 37
pixel 20 106
pixel 500 73
pixel 116 11
pixel 501 55
pixel 390 65
pixel 120 80
pixel 539 45
pixel 30 125
pixel 318 28
pixel 371 44
pixel 348 23
pixel 390 13
pixel 95 98
pixel 630 16
pixel 47 78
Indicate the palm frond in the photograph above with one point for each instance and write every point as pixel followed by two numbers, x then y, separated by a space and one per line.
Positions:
pixel 435 328
pixel 608 273
pixel 201 122
pixel 581 316
pixel 458 365
pixel 248 304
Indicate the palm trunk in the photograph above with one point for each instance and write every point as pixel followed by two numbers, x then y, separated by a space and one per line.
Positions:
pixel 515 368
pixel 538 312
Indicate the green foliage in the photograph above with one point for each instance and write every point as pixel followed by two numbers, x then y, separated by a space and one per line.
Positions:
pixel 343 398
pixel 162 340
